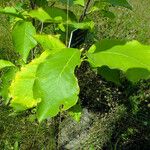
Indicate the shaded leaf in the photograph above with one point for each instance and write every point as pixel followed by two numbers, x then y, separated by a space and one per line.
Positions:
pixel 6 80
pixel 135 74
pixel 123 3
pixel 112 75
pixel 108 14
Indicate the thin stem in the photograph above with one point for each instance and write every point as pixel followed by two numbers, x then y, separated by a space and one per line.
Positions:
pixel 85 11
pixel 42 25
pixel 33 5
pixel 67 28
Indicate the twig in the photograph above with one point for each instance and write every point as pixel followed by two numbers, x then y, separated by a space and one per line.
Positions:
pixel 85 11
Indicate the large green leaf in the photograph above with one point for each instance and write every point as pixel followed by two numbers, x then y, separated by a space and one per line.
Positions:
pixel 41 3
pixel 124 57
pixel 40 14
pixel 135 74
pixel 56 83
pixel 10 11
pixel 23 40
pixel 52 14
pixel 22 85
pixel 5 63
pixel 49 42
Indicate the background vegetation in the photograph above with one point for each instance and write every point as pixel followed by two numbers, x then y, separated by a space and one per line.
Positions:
pixel 114 117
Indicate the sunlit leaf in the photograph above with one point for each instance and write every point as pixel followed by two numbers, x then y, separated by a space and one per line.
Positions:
pixel 5 63
pixel 23 40
pixel 49 42
pixel 52 14
pixel 10 11
pixel 124 57
pixel 22 85
pixel 56 83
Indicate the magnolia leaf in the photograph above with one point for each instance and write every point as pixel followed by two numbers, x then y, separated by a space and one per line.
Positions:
pixel 108 14
pixel 79 2
pixel 123 3
pixel 83 25
pixel 52 14
pixel 60 15
pixel 40 14
pixel 56 84
pixel 49 42
pixel 22 85
pixel 23 40
pixel 11 11
pixel 124 57
pixel 135 74
pixel 5 63
pixel 98 6
pixel 104 45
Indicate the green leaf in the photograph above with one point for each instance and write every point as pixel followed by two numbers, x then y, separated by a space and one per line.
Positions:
pixel 56 83
pixel 23 40
pixel 108 14
pixel 60 15
pixel 6 80
pixel 83 25
pixel 104 45
pixel 135 74
pixel 5 63
pixel 112 75
pixel 124 57
pixel 41 3
pixel 79 2
pixel 40 14
pixel 49 42
pixel 75 112
pixel 98 6
pixel 122 3
pixel 22 85
pixel 48 15
pixel 11 11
